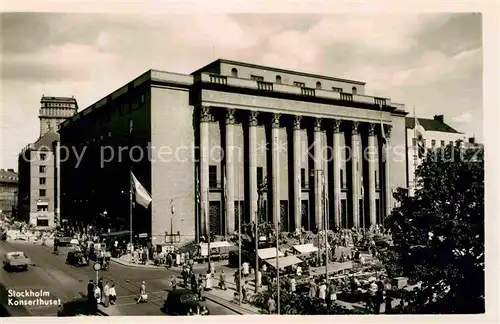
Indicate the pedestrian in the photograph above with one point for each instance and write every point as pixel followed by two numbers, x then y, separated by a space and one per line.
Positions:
pixel 105 295
pixel 208 281
pixel 271 305
pixel 372 295
pixel 222 280
pixel 97 294
pixel 211 267
pixel 293 285
pixel 90 291
pixel 332 292
pixel 379 295
pixel 177 259
pixel 183 258
pixel 185 277
pixel 194 285
pixel 312 289
pixel 204 311
pixel 112 294
pixel 100 284
pixel 245 270
pixel 143 296
pixel 322 291
pixel 244 291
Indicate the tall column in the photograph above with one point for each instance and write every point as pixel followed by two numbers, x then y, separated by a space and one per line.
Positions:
pixel 297 160
pixel 355 174
pixel 337 158
pixel 57 187
pixel 229 169
pixel 252 163
pixel 205 119
pixel 317 175
pixel 372 162
pixel 387 172
pixel 275 124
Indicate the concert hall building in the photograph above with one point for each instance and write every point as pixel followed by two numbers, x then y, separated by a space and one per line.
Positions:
pixel 213 139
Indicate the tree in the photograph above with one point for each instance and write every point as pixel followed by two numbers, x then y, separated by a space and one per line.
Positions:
pixel 438 233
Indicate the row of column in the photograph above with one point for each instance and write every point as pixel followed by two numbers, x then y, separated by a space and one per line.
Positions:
pixel 206 118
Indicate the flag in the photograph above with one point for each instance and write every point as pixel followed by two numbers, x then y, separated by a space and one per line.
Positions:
pixel 419 138
pixel 142 196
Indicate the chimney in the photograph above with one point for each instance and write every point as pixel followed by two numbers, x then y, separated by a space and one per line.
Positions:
pixel 472 140
pixel 439 118
pixel 10 170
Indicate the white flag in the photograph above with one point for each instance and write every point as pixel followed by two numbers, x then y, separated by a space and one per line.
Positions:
pixel 142 196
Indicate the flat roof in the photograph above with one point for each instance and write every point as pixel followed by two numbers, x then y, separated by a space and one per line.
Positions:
pixel 269 68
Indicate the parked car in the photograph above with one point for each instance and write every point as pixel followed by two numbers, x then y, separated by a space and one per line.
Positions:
pixel 16 261
pixel 180 301
pixel 76 258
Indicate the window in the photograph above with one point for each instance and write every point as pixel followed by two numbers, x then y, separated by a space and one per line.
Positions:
pixel 318 85
pixel 42 222
pixel 42 192
pixel 299 84
pixel 42 181
pixel 433 143
pixel 43 156
pixel 303 178
pixel 256 78
pixel 336 89
pixel 212 176
pixel 42 208
pixel 443 143
pixel 260 175
pixel 278 79
pixel 354 90
pixel 42 168
pixel 234 73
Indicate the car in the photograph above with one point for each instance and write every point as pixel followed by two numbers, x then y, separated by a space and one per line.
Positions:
pixel 76 258
pixel 180 301
pixel 16 261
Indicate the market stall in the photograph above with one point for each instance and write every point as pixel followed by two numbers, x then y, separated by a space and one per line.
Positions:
pixel 269 253
pixel 284 262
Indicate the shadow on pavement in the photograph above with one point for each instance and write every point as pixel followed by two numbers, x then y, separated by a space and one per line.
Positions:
pixel 78 306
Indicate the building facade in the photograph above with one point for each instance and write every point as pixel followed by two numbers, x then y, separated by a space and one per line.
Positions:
pixel 213 137
pixel 8 192
pixel 435 134
pixel 38 194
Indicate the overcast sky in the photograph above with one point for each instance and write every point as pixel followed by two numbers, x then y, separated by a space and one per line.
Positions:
pixel 430 61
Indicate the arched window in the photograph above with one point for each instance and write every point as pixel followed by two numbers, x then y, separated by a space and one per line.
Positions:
pixel 234 73
pixel 318 85
pixel 278 79
pixel 354 90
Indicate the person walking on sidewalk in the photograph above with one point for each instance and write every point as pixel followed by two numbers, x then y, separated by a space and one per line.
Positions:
pixel 293 286
pixel 194 285
pixel 222 280
pixel 271 305
pixel 105 295
pixel 97 294
pixel 185 276
pixel 112 294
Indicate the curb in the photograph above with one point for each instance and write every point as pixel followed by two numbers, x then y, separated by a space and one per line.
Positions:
pixel 235 308
pixel 101 313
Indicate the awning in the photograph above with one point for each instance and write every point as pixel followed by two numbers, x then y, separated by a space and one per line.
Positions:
pixel 305 248
pixel 213 245
pixel 284 261
pixel 269 253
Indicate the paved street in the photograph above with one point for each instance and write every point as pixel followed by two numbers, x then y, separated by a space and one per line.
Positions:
pixel 52 274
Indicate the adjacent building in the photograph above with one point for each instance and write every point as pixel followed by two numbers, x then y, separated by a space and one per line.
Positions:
pixel 202 145
pixel 38 194
pixel 8 192
pixel 434 133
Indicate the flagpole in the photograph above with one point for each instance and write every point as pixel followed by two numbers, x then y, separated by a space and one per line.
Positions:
pixel 197 211
pixel 276 221
pixel 131 192
pixel 416 151
pixel 239 232
pixel 325 227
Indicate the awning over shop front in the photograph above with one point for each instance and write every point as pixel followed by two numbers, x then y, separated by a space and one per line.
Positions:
pixel 305 248
pixel 284 261
pixel 269 253
pixel 214 245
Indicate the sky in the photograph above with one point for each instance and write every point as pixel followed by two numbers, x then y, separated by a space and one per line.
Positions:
pixel 429 61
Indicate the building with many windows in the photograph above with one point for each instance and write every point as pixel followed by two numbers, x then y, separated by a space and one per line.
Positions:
pixel 38 194
pixel 8 192
pixel 429 134
pixel 202 145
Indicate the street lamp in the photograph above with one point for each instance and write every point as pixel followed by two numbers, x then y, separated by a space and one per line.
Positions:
pixel 172 211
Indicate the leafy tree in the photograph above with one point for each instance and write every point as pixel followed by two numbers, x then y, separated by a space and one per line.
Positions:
pixel 438 233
